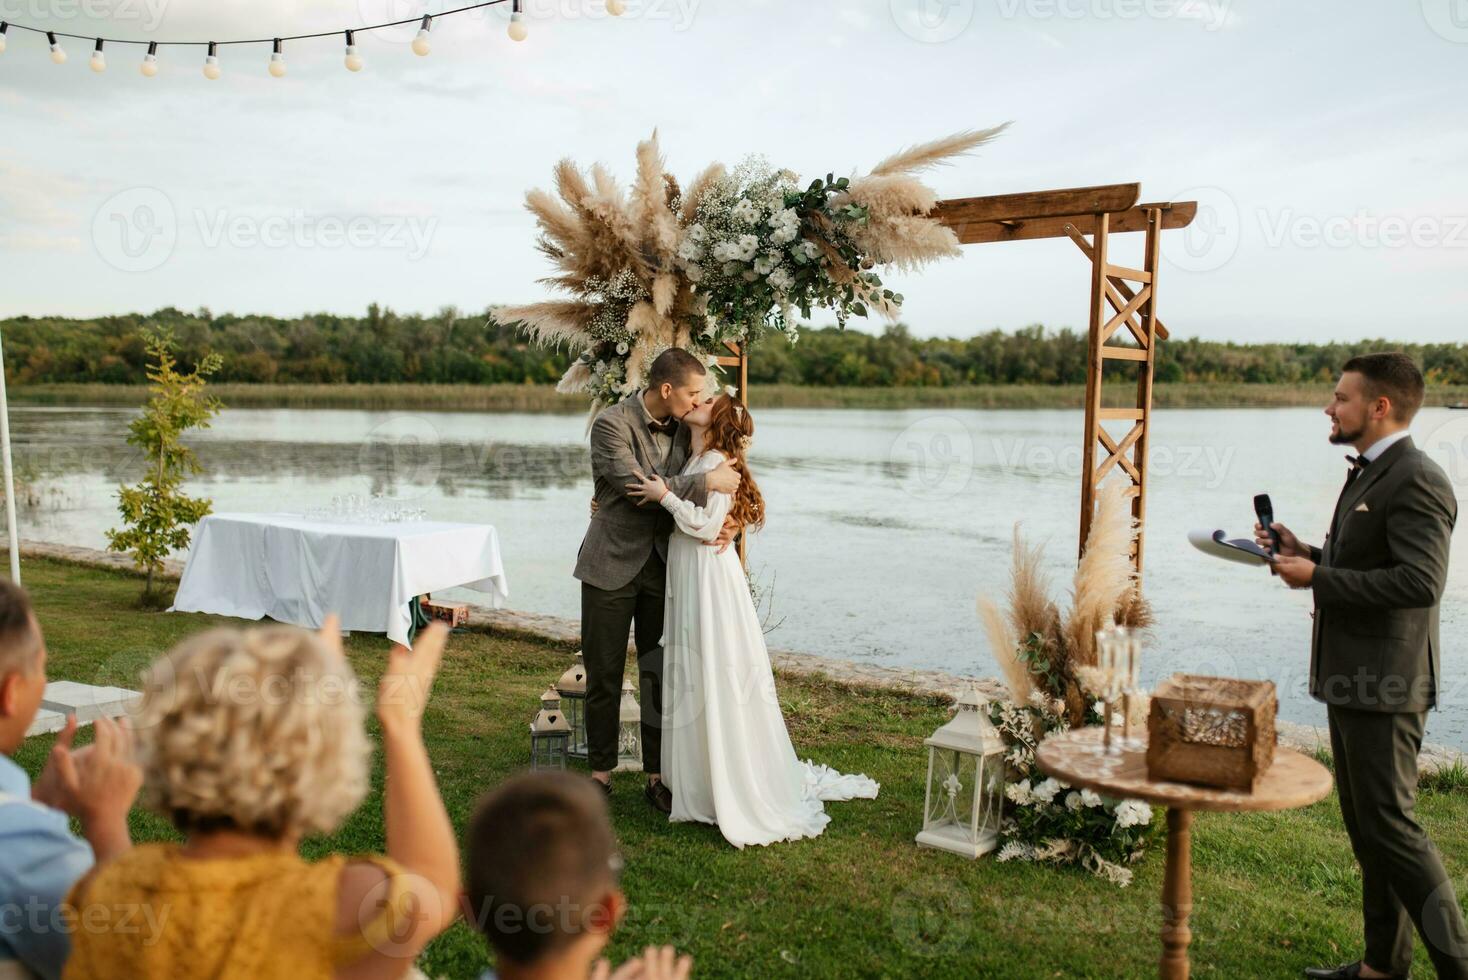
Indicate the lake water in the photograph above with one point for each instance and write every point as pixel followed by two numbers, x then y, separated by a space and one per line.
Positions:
pixel 883 526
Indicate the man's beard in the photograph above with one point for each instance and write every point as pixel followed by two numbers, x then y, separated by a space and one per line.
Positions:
pixel 1344 438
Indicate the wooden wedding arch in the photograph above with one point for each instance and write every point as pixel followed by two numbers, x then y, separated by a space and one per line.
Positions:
pixel 1121 297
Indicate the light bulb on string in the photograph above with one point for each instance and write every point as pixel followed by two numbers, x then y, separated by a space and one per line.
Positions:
pixel 277 61
pixel 353 59
pixel 99 60
pixel 3 28
pixel 616 7
pixel 518 31
pixel 421 44
pixel 57 55
pixel 211 62
pixel 149 67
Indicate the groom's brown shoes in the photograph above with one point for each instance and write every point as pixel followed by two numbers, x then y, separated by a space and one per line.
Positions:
pixel 659 796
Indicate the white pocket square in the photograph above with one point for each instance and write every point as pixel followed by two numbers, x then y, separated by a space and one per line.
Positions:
pixel 1361 508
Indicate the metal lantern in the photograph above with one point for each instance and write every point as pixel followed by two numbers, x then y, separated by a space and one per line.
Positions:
pixel 572 688
pixel 629 731
pixel 550 734
pixel 965 796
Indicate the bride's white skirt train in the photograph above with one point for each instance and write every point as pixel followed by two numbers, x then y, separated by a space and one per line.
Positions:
pixel 727 756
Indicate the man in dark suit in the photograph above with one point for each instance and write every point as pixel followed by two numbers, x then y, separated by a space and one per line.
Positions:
pixel 1375 659
pixel 622 563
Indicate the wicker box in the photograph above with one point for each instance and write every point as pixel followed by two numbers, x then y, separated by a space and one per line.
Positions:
pixel 1212 731
pixel 453 613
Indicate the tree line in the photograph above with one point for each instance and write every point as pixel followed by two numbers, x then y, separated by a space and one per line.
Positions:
pixel 452 347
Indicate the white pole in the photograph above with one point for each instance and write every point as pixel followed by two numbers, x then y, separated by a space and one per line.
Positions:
pixel 9 477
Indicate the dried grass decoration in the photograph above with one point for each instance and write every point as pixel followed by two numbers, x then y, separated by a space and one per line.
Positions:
pixel 737 251
pixel 1048 658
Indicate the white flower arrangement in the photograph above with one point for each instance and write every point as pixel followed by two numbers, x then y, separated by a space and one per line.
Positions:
pixel 742 250
pixel 1049 822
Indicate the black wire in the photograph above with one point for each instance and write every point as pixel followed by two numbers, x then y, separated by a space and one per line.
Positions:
pixel 258 40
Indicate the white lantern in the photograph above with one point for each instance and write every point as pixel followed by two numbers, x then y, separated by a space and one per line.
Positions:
pixel 629 731
pixel 572 689
pixel 550 734
pixel 965 796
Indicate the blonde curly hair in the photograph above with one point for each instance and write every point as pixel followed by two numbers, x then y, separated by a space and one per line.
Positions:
pixel 260 730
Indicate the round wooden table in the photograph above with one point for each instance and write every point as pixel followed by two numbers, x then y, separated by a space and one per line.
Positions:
pixel 1078 758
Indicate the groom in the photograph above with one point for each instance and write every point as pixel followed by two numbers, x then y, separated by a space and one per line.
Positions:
pixel 622 562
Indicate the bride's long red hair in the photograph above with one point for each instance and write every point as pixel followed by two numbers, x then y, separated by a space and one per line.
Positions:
pixel 730 431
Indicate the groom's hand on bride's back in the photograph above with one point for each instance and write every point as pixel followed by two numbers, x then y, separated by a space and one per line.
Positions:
pixel 723 478
pixel 726 535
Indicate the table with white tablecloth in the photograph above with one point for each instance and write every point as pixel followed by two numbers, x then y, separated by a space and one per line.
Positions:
pixel 297 570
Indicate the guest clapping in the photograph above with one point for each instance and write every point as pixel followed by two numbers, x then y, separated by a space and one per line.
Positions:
pixel 39 858
pixel 250 740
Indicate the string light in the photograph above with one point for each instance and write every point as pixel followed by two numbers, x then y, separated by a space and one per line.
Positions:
pixel 421 44
pixel 353 59
pixel 518 31
pixel 616 7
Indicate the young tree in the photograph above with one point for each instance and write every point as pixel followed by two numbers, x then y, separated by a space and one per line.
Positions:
pixel 156 513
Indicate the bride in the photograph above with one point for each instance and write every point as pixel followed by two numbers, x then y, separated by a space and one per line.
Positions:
pixel 727 756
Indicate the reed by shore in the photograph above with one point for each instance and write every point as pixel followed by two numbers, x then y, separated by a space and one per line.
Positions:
pixel 543 398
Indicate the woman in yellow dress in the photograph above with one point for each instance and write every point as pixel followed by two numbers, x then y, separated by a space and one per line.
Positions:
pixel 250 740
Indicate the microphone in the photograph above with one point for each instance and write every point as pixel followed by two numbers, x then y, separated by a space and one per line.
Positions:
pixel 1264 510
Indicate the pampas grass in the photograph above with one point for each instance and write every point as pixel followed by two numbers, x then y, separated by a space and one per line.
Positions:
pixel 939 151
pixel 1037 647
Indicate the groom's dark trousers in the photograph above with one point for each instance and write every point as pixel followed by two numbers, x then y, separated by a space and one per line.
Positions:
pixel 623 573
pixel 1375 661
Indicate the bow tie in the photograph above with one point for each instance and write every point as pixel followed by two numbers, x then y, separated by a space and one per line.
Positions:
pixel 1358 462
pixel 666 425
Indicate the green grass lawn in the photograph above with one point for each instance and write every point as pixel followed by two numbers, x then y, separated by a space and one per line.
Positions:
pixel 1272 892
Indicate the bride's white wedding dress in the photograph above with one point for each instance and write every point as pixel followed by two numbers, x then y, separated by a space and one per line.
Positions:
pixel 727 756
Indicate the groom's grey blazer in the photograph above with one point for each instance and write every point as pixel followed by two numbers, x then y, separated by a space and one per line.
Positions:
pixel 623 532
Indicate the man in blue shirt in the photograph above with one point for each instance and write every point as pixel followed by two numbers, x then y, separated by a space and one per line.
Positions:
pixel 40 859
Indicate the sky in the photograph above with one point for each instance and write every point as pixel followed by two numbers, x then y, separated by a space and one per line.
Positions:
pixel 1324 141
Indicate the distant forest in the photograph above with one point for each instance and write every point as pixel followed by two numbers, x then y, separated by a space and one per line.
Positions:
pixel 452 347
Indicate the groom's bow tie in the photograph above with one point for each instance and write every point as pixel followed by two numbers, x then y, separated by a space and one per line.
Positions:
pixel 1358 463
pixel 666 425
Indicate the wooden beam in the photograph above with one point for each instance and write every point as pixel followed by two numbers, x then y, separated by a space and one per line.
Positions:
pixel 1178 214
pixel 1123 353
pixel 1038 204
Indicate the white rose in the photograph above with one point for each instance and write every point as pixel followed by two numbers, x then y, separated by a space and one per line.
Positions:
pixel 697 232
pixel 1018 792
pixel 1046 791
pixel 1072 801
pixel 1133 813
pixel 1090 798
pixel 622 347
pixel 747 247
pixel 694 272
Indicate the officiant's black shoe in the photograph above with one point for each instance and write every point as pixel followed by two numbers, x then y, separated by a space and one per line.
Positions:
pixel 659 796
pixel 606 787
pixel 1346 971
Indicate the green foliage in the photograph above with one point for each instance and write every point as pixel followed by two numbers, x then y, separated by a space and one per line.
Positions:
pixel 453 348
pixel 156 513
